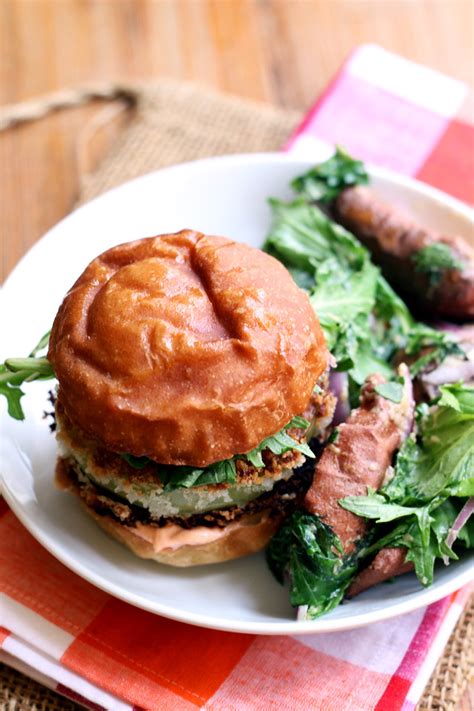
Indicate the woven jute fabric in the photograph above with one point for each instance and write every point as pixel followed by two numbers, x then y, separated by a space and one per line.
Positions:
pixel 177 122
pixel 19 693
pixel 173 123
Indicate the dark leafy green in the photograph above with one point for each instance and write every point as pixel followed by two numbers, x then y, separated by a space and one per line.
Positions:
pixel 366 363
pixel 378 507
pixel 304 237
pixel 280 443
pixel 365 322
pixel 434 260
pixel 137 462
pixel 466 534
pixel 390 391
pixel 443 518
pixel 175 477
pixel 343 306
pixel 423 536
pixel 414 511
pixel 431 345
pixel 369 329
pixel 325 181
pixel 414 533
pixel 10 388
pixel 439 462
pixel 225 471
pixel 310 553
pixel 41 345
pixel 186 477
pixel 16 371
pixel 394 333
pixel 343 280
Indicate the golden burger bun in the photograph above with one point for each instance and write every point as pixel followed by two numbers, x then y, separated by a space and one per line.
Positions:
pixel 185 348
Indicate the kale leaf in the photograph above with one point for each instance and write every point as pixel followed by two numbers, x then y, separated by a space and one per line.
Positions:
pixel 366 324
pixel 424 535
pixel 186 477
pixel 280 443
pixel 310 553
pixel 439 462
pixel 343 280
pixel 324 182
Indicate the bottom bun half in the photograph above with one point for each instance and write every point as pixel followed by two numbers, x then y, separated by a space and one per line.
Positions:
pixel 234 541
pixel 171 544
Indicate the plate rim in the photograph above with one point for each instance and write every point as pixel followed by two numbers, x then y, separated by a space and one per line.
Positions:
pixel 235 158
pixel 290 627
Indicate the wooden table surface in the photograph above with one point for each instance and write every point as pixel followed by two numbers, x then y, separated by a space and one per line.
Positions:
pixel 280 51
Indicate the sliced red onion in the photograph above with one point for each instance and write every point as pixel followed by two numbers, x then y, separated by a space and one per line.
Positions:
pixel 462 333
pixel 301 613
pixel 339 386
pixel 407 405
pixel 451 370
pixel 460 521
pixel 454 367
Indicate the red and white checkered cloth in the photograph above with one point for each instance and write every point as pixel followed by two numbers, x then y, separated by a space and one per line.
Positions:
pixel 398 115
pixel 95 649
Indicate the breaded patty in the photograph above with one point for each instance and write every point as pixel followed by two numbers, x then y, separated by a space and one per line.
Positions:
pixel 112 475
pixel 282 499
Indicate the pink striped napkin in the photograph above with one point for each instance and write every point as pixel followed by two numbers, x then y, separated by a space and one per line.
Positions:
pixel 398 115
pixel 104 653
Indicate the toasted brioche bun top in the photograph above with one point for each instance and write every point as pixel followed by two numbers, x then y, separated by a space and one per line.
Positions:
pixel 185 348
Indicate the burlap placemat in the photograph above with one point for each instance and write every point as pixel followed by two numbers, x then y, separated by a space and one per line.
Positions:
pixel 175 122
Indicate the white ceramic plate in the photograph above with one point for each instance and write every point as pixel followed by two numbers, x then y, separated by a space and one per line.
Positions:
pixel 219 196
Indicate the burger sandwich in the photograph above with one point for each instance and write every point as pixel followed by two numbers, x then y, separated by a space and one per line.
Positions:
pixel 192 373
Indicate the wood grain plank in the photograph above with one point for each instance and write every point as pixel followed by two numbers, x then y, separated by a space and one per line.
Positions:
pixel 241 67
pixel 306 41
pixel 283 51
